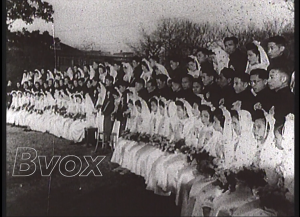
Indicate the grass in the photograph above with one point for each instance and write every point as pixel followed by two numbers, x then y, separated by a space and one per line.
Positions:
pixel 109 195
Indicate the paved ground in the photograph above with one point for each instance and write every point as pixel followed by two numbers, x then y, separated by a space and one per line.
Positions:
pixel 111 194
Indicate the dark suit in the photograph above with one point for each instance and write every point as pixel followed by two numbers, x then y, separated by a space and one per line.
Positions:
pixel 107 109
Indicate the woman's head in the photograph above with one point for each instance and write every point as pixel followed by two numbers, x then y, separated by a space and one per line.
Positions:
pixel 196 109
pixel 181 110
pixel 197 86
pixel 162 106
pixel 219 120
pixel 78 98
pixel 259 125
pixel 206 115
pixel 153 104
pixel 235 122
pixel 191 64
pixel 144 66
pixel 130 104
pixel 252 53
pixel 138 106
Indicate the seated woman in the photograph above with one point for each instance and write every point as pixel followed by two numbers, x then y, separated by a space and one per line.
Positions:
pixel 77 127
pixel 142 126
pixel 139 124
pixel 143 153
pixel 214 146
pixel 162 172
pixel 165 130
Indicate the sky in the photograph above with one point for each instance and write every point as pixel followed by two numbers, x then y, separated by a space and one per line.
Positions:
pixel 109 25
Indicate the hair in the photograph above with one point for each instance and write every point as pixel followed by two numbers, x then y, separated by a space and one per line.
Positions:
pixel 176 80
pixel 113 91
pixel 180 103
pixel 137 59
pixel 175 58
pixel 109 77
pixel 218 113
pixel 234 113
pixel 203 50
pixel 153 99
pixel 198 80
pixel 228 73
pixel 258 114
pixel 155 58
pixel 209 71
pixel 189 59
pixel 140 81
pixel 283 70
pixel 162 77
pixel 138 103
pixel 152 82
pixel 208 109
pixel 263 74
pixel 279 129
pixel 278 40
pixel 143 63
pixel 253 48
pixel 233 38
pixel 190 77
pixel 243 76
pixel 161 103
pixel 130 101
pixel 122 83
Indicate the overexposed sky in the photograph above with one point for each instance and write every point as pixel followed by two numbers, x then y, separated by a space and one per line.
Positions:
pixel 109 24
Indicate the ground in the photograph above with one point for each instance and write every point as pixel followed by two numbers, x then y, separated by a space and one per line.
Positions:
pixel 110 195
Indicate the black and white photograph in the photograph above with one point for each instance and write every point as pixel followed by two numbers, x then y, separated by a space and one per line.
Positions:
pixel 150 107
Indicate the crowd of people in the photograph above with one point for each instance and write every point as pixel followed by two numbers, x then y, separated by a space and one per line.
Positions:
pixel 217 131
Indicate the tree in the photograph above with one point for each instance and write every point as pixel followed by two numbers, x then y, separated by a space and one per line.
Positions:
pixel 28 10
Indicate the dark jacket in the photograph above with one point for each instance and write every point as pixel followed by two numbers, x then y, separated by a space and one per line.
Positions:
pixel 108 104
pixel 238 60
pixel 281 61
pixel 265 98
pixel 165 92
pixel 247 98
pixel 284 102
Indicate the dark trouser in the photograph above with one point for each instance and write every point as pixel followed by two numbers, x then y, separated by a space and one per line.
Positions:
pixel 122 126
pixel 107 128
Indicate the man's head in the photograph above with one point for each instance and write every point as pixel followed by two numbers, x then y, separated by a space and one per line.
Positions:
pixel 225 78
pixel 276 46
pixel 81 82
pixel 151 85
pixel 161 81
pixel 139 84
pixel 258 79
pixel 279 78
pixel 208 76
pixel 153 60
pixel 109 80
pixel 174 62
pixel 135 61
pixel 176 84
pixel 230 44
pixel 186 82
pixel 241 82
pixel 202 55
pixel 197 85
